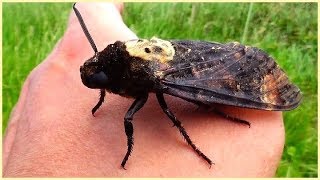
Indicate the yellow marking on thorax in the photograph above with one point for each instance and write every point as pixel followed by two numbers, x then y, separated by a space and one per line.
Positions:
pixel 151 50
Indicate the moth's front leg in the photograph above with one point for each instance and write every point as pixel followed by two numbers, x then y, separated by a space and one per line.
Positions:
pixel 96 107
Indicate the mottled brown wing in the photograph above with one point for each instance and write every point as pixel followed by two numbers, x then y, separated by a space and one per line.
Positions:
pixel 231 74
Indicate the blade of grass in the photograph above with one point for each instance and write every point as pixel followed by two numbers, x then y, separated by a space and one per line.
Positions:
pixel 245 31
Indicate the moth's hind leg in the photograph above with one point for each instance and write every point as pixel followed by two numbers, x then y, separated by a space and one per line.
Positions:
pixel 101 99
pixel 231 118
pixel 178 124
pixel 223 114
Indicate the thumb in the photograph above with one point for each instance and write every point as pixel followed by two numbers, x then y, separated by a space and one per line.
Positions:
pixel 104 23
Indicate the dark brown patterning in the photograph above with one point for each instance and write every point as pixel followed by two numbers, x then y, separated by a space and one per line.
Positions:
pixel 231 74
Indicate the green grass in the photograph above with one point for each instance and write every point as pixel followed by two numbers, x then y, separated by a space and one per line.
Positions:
pixel 288 31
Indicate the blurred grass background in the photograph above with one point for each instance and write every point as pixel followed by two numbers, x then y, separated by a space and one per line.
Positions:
pixel 287 31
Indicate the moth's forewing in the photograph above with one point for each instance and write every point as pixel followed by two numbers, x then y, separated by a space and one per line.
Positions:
pixel 231 74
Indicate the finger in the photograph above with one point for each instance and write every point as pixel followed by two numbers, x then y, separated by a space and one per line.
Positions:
pixel 104 23
pixel 10 133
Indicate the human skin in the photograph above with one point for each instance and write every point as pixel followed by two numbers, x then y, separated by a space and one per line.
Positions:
pixel 52 133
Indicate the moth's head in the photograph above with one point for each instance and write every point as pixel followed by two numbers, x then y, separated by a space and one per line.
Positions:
pixel 93 73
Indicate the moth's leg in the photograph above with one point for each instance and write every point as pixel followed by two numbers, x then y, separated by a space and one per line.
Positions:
pixel 178 124
pixel 231 118
pixel 137 104
pixel 211 108
pixel 96 107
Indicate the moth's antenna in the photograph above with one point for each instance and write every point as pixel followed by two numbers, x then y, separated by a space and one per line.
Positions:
pixel 85 29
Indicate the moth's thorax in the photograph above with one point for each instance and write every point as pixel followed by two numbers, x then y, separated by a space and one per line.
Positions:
pixel 151 50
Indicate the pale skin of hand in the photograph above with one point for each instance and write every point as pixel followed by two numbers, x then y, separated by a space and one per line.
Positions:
pixel 52 132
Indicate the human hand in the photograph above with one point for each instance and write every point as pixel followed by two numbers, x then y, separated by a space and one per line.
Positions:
pixel 52 132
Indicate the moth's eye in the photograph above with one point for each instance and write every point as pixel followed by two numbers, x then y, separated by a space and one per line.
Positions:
pixel 98 79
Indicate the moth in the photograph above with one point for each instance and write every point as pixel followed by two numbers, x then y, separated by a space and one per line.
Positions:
pixel 204 73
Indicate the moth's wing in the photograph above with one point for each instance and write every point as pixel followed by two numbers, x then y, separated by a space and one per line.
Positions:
pixel 231 74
